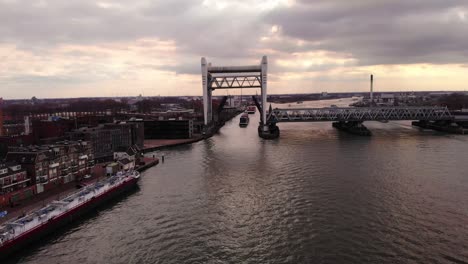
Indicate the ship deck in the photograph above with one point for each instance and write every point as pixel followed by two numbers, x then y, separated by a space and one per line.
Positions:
pixel 14 229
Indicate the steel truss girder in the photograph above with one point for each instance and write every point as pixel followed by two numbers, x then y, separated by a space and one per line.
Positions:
pixel 360 114
pixel 229 82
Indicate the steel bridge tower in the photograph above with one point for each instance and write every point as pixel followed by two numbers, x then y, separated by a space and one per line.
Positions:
pixel 235 77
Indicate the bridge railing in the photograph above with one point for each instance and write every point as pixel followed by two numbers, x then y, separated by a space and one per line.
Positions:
pixel 359 114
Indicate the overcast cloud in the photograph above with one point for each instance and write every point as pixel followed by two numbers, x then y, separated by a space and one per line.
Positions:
pixel 63 46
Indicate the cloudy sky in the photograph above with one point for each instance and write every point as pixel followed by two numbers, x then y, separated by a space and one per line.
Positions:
pixel 75 48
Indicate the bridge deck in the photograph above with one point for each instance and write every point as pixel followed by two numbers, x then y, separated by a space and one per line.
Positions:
pixel 359 114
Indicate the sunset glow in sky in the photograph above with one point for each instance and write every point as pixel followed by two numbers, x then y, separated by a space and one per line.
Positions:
pixel 78 48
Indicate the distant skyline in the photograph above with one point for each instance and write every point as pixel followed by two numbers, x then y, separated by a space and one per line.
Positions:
pixel 56 48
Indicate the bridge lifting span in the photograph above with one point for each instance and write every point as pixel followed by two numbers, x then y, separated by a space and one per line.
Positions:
pixel 227 82
pixel 235 77
pixel 360 114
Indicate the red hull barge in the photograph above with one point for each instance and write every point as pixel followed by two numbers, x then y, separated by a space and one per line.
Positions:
pixel 62 213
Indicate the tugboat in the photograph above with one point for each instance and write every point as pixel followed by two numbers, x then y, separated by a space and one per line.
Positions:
pixel 244 120
pixel 251 109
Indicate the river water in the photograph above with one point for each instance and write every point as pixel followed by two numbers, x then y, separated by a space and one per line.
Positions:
pixel 315 195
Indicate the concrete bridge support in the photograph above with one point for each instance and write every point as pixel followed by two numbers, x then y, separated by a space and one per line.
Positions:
pixel 352 127
pixel 442 125
pixel 266 129
pixel 207 101
pixel 272 131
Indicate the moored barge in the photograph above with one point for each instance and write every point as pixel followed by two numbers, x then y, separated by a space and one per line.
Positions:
pixel 16 234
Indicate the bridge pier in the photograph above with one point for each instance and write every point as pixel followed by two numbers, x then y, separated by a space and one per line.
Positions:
pixel 441 125
pixel 352 127
pixel 269 131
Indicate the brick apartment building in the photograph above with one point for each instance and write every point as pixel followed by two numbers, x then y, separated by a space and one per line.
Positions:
pixel 12 177
pixel 51 130
pixel 108 138
pixel 14 183
pixel 49 166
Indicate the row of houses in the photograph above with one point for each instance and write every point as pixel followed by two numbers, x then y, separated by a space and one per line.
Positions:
pixel 105 138
pixel 124 159
pixel 31 170
pixel 12 177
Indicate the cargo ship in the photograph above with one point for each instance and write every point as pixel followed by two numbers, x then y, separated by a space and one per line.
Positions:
pixel 16 234
pixel 251 109
pixel 244 120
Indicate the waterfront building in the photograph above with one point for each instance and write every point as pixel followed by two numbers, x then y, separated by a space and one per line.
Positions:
pixel 15 184
pixel 126 164
pixel 51 130
pixel 12 177
pixel 108 138
pixel 138 133
pixel 100 139
pixel 49 166
pixel 131 153
pixel 121 134
pixel 385 99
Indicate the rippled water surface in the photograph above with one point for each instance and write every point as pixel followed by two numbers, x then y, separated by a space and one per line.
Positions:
pixel 315 195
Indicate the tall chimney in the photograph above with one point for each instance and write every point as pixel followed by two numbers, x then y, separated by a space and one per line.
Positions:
pixel 372 89
pixel 27 125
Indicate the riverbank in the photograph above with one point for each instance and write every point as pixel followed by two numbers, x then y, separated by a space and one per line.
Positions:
pixel 42 199
pixel 155 144
pixel 148 163
pixel 150 145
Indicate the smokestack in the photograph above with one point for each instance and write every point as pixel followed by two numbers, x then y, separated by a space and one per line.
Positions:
pixel 372 89
pixel 27 125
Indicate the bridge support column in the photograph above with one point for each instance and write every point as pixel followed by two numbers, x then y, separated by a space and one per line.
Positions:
pixel 352 127
pixel 207 103
pixel 420 123
pixel 441 125
pixel 272 131
pixel 266 130
pixel 264 73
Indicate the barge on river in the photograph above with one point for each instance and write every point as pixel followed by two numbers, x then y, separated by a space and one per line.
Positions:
pixel 16 234
pixel 244 120
pixel 251 109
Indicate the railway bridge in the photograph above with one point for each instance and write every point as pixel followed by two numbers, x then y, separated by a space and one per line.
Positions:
pixel 351 118
pixel 359 114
